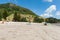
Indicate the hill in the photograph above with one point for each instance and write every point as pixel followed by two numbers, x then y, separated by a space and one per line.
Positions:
pixel 12 12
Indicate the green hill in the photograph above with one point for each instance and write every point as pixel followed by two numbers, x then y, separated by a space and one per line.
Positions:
pixel 12 12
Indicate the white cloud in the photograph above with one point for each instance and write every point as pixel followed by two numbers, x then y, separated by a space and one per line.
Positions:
pixel 58 13
pixel 48 11
pixel 48 0
pixel 47 15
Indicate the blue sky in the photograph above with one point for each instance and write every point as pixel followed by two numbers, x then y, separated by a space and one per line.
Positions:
pixel 43 8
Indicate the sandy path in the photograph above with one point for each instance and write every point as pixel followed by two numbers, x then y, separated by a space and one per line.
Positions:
pixel 24 31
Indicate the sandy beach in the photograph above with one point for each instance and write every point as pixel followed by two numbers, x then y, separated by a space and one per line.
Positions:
pixel 26 31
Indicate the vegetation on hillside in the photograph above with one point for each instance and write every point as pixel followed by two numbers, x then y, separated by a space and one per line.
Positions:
pixel 19 12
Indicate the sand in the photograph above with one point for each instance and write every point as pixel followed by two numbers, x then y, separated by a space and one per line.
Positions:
pixel 26 31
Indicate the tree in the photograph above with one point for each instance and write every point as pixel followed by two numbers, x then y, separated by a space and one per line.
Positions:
pixel 5 14
pixel 23 19
pixel 58 20
pixel 38 20
pixel 0 16
pixel 51 20
pixel 16 17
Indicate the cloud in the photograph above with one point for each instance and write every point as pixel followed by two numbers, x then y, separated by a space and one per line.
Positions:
pixel 47 15
pixel 49 10
pixel 48 0
pixel 58 13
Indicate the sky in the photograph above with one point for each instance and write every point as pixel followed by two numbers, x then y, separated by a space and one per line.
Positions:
pixel 44 8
